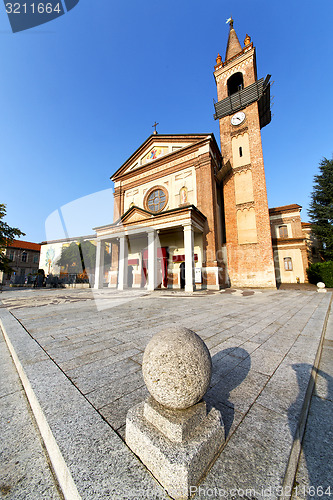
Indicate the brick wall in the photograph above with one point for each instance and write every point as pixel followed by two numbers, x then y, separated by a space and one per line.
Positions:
pixel 249 264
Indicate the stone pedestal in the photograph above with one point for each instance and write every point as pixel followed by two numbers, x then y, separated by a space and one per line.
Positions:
pixel 177 446
pixel 321 287
pixel 171 432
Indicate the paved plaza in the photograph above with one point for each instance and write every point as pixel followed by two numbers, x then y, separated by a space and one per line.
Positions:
pixel 81 351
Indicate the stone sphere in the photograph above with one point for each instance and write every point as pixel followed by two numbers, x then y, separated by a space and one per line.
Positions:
pixel 177 368
pixel 321 284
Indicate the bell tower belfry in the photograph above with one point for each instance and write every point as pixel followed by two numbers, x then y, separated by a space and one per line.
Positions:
pixel 243 108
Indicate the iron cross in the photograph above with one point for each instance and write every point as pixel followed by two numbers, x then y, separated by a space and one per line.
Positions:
pixel 155 125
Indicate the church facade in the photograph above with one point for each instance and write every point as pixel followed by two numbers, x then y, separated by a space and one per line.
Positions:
pixel 187 215
pixel 168 227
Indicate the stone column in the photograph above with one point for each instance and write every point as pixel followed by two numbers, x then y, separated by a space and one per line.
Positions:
pixel 123 263
pixel 152 260
pixel 99 269
pixel 189 258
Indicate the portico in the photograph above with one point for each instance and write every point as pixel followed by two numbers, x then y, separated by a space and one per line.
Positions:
pixel 154 245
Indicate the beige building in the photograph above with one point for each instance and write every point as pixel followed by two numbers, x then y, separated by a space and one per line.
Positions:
pixel 51 252
pixel 290 243
pixel 312 244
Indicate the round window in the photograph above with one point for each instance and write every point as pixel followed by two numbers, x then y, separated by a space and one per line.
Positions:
pixel 156 200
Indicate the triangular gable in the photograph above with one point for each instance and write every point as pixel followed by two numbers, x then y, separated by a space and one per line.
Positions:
pixel 154 148
pixel 133 214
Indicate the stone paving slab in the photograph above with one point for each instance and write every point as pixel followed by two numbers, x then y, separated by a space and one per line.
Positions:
pixel 89 458
pixel 262 346
pixel 280 403
pixel 24 469
pixel 314 478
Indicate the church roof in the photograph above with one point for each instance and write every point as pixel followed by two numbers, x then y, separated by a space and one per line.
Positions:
pixel 233 46
pixel 158 146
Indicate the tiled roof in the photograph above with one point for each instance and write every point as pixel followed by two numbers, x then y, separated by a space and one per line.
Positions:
pixel 285 208
pixel 25 245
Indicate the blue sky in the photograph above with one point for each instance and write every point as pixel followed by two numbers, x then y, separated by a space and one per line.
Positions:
pixel 80 94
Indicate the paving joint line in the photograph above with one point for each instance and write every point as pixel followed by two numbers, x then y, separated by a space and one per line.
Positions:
pixel 270 377
pixel 59 465
pixel 56 364
pixel 120 397
pixel 291 469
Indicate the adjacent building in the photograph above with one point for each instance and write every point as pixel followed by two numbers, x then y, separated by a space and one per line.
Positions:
pixel 51 253
pixel 24 260
pixel 290 248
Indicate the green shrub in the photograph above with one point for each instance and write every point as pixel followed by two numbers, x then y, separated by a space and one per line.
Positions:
pixel 321 271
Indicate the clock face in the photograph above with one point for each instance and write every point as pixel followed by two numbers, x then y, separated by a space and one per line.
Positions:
pixel 238 118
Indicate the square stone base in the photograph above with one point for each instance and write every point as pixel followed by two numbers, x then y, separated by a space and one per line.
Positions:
pixel 177 466
pixel 176 425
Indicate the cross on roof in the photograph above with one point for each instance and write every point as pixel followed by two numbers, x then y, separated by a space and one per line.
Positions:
pixel 155 125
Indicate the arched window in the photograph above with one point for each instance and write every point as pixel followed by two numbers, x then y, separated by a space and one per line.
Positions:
pixel 24 256
pixel 235 83
pixel 156 199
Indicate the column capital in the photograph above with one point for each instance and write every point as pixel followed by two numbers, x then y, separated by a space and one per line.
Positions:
pixel 152 234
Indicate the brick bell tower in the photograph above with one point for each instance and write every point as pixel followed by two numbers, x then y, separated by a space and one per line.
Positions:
pixel 243 108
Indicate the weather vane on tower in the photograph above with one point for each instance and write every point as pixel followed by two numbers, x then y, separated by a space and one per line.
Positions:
pixel 230 21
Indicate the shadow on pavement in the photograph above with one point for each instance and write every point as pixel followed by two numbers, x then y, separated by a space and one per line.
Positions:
pixel 224 382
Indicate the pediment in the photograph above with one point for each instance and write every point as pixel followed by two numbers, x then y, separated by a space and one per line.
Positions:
pixel 154 148
pixel 154 152
pixel 134 215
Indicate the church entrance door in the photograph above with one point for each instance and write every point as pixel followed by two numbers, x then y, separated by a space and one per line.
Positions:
pixel 182 275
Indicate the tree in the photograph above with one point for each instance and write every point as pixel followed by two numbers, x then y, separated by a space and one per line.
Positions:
pixel 80 257
pixel 321 207
pixel 7 235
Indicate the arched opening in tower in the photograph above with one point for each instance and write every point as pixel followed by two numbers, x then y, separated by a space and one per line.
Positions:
pixel 235 83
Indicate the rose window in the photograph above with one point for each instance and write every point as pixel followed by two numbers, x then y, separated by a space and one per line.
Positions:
pixel 156 200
